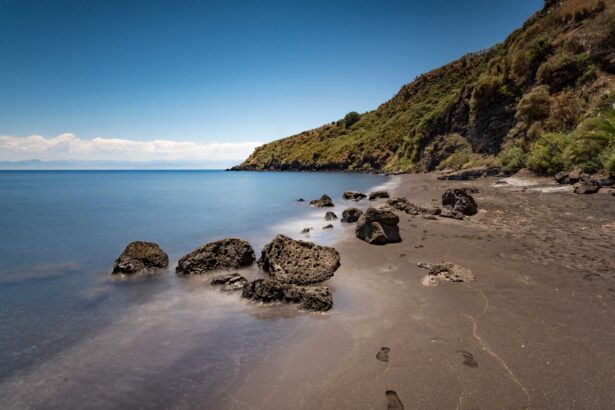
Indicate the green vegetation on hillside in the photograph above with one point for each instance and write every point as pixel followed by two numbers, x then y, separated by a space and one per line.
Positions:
pixel 536 100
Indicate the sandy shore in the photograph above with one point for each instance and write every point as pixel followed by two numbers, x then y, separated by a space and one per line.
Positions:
pixel 535 330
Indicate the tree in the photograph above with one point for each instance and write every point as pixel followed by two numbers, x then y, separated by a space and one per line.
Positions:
pixel 351 118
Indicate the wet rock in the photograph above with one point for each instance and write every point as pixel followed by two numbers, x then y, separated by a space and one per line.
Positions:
pixel 298 262
pixel 378 227
pixel 471 174
pixel 351 215
pixel 229 281
pixel 330 216
pixel 300 200
pixel 402 204
pixel 586 187
pixel 306 230
pixel 271 291
pixel 140 257
pixel 229 253
pixel 562 177
pixel 354 195
pixel 378 195
pixel 328 226
pixel 450 213
pixel 445 271
pixel 324 201
pixel 460 200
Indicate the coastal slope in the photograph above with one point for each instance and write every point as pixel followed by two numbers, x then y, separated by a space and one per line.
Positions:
pixel 486 108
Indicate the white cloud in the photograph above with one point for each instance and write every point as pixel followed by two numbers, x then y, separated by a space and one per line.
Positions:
pixel 69 147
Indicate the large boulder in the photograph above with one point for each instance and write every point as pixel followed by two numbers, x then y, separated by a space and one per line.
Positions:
pixel 378 195
pixel 271 291
pixel 229 281
pixel 378 226
pixel 460 200
pixel 351 215
pixel 354 195
pixel 586 187
pixel 298 262
pixel 324 201
pixel 562 177
pixel 229 253
pixel 140 257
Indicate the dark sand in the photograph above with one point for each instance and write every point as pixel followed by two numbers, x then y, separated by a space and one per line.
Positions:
pixel 535 330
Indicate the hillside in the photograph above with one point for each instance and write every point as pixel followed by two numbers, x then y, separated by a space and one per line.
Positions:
pixel 537 99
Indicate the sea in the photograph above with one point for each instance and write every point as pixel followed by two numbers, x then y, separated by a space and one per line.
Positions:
pixel 74 336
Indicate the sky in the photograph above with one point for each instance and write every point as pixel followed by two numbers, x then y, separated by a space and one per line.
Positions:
pixel 211 80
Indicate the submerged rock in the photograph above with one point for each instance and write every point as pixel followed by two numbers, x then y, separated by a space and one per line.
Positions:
pixel 271 291
pixel 329 226
pixel 300 200
pixel 351 215
pixel 471 174
pixel 140 257
pixel 330 216
pixel 586 187
pixel 378 227
pixel 229 281
pixel 298 262
pixel 460 200
pixel 445 271
pixel 324 201
pixel 229 253
pixel 354 195
pixel 306 230
pixel 378 195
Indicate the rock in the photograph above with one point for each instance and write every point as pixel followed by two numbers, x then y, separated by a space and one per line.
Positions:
pixel 471 174
pixel 330 216
pixel 378 227
pixel 602 180
pixel 324 201
pixel 306 230
pixel 140 257
pixel 562 177
pixel 354 195
pixel 586 187
pixel 351 215
pixel 450 213
pixel 300 200
pixel 229 281
pixel 378 194
pixel 229 253
pixel 402 204
pixel 270 291
pixel 298 262
pixel 328 226
pixel 445 271
pixel 460 200
pixel 577 175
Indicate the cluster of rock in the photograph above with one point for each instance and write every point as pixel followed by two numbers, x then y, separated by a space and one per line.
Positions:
pixel 471 174
pixel 378 195
pixel 446 272
pixel 584 183
pixel 354 195
pixel 291 266
pixel 456 203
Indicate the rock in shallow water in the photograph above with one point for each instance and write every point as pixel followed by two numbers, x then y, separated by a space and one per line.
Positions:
pixel 298 262
pixel 351 215
pixel 354 195
pixel 270 291
pixel 324 201
pixel 378 227
pixel 140 257
pixel 378 195
pixel 229 281
pixel 330 216
pixel 460 200
pixel 229 253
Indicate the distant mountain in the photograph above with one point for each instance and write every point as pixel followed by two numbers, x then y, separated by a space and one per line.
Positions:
pixel 104 165
pixel 525 101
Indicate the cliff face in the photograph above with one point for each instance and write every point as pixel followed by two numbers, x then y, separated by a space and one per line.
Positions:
pixel 545 77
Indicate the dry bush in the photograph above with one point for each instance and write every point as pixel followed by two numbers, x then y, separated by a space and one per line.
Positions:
pixel 564 113
pixel 579 9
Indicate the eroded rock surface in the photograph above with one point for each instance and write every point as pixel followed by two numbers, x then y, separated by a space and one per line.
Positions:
pixel 402 204
pixel 460 200
pixel 229 253
pixel 298 262
pixel 330 216
pixel 445 271
pixel 140 257
pixel 324 201
pixel 229 281
pixel 378 195
pixel 354 195
pixel 378 226
pixel 351 215
pixel 271 291
pixel 471 174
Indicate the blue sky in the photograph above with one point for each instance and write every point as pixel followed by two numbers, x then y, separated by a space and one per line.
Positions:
pixel 226 72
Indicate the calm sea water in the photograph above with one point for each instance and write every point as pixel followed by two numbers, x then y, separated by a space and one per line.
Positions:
pixel 71 334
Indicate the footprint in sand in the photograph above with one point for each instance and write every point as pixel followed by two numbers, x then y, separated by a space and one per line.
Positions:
pixel 468 359
pixel 393 402
pixel 383 354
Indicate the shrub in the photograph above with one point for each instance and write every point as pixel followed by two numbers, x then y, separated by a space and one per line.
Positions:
pixel 564 113
pixel 579 9
pixel 607 159
pixel 534 106
pixel 351 118
pixel 512 159
pixel 563 70
pixel 594 143
pixel 487 90
pixel 546 154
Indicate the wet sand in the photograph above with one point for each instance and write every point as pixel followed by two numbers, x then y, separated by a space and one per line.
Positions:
pixel 535 330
